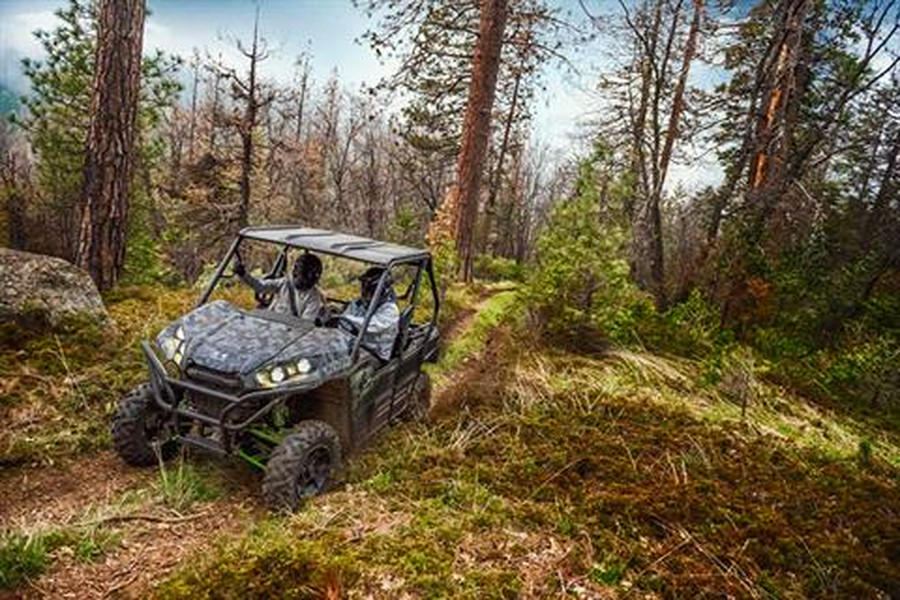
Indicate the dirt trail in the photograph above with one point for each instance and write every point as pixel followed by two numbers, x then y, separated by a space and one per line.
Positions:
pixel 147 553
pixel 56 493
pixel 150 540
pixel 34 498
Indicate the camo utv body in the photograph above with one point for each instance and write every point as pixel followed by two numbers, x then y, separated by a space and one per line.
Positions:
pixel 290 396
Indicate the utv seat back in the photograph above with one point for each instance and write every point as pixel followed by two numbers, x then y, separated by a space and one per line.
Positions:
pixel 400 342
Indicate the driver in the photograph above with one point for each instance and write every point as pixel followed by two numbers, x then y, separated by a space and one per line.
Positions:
pixel 384 326
pixel 298 295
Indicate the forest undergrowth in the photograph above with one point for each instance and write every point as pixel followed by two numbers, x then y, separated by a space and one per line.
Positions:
pixel 542 471
pixel 546 473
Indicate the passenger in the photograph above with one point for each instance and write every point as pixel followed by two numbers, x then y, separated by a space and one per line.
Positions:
pixel 298 295
pixel 384 326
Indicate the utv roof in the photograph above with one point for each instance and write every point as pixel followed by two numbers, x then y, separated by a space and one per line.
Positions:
pixel 336 244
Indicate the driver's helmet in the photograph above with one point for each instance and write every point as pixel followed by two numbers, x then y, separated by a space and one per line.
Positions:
pixel 368 283
pixel 307 270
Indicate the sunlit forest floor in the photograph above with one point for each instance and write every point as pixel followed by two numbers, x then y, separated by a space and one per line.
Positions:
pixel 539 473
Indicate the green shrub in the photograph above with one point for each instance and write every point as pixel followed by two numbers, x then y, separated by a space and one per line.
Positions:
pixel 267 563
pixel 445 263
pixel 867 370
pixel 688 329
pixel 498 268
pixel 582 281
pixel 24 555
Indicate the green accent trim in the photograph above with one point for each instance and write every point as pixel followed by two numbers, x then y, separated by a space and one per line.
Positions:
pixel 251 459
pixel 265 436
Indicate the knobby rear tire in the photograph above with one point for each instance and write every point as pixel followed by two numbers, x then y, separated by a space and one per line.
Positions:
pixel 420 403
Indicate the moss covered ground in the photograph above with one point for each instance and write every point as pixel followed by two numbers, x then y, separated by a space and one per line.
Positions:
pixel 546 474
pixel 541 473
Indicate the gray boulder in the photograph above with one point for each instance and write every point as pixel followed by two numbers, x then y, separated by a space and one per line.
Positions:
pixel 37 290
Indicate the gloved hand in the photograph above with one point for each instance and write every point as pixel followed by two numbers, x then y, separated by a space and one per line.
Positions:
pixel 239 269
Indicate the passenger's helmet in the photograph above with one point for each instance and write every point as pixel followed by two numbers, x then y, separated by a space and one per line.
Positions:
pixel 368 283
pixel 307 270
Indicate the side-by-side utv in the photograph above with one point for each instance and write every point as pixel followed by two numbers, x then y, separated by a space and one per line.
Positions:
pixel 288 395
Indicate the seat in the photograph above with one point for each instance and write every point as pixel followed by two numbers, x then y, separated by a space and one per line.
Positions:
pixel 402 331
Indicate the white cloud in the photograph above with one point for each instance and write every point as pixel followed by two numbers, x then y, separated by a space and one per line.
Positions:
pixel 17 32
pixel 17 41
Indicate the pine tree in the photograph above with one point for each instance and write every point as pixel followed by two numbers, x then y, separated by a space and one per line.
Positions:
pixel 57 117
pixel 111 149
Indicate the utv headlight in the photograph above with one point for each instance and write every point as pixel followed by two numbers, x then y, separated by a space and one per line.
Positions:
pixel 294 370
pixel 173 344
pixel 277 375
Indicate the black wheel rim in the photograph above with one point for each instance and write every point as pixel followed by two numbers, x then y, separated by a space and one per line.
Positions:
pixel 156 430
pixel 315 473
pixel 153 425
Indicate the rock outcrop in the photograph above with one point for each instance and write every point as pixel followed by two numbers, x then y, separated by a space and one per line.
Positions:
pixel 44 290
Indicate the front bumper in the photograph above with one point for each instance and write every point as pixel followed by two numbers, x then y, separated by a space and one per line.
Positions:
pixel 169 395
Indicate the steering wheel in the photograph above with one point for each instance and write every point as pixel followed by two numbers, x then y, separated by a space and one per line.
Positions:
pixel 347 325
pixel 343 323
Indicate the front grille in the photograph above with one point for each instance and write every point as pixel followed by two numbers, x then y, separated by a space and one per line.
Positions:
pixel 225 382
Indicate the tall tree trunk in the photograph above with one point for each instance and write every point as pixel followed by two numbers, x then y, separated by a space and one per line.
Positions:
pixel 192 127
pixel 16 203
pixel 497 178
pixel 214 115
pixel 878 217
pixel 301 103
pixel 477 126
pixel 774 124
pixel 647 249
pixel 782 83
pixel 110 151
pixel 647 242
pixel 247 128
pixel 690 49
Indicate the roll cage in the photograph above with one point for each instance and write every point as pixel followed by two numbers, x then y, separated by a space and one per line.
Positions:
pixel 355 248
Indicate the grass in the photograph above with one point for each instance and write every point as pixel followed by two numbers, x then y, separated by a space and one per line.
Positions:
pixel 586 477
pixel 21 557
pixel 25 555
pixel 768 408
pixel 490 313
pixel 182 485
pixel 58 390
pixel 557 474
pixel 27 552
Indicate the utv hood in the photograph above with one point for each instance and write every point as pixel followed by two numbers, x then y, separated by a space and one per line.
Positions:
pixel 221 337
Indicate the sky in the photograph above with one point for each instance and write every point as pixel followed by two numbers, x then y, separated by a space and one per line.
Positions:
pixel 327 29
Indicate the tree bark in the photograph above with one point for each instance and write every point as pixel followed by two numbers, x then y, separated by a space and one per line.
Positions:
pixel 16 203
pixel 477 127
pixel 111 149
pixel 652 149
pixel 497 178
pixel 774 125
pixel 193 122
pixel 690 49
pixel 250 117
